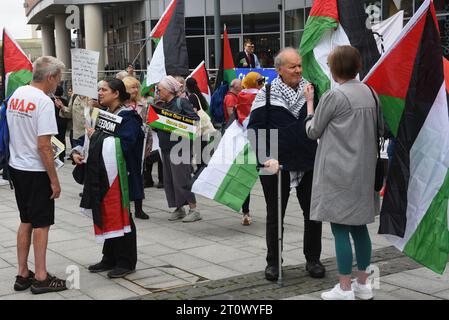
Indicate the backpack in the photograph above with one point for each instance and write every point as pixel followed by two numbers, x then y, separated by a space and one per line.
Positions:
pixel 4 141
pixel 216 103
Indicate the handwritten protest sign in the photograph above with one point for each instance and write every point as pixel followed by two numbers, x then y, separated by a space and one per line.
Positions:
pixel 85 72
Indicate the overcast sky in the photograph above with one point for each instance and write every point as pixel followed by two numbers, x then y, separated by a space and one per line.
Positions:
pixel 12 15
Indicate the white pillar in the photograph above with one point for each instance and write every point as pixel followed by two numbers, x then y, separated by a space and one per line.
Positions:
pixel 93 30
pixel 62 41
pixel 48 40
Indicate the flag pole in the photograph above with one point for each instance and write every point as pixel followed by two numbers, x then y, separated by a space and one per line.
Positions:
pixel 141 48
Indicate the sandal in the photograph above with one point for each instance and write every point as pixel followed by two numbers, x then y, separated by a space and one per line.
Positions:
pixel 24 283
pixel 51 284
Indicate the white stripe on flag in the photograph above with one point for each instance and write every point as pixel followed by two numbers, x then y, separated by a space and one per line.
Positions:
pixel 156 69
pixel 328 42
pixel 429 164
pixel 232 143
pixel 110 159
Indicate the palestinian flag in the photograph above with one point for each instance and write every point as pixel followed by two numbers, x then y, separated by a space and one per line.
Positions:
pixel 333 23
pixel 17 68
pixel 147 89
pixel 409 79
pixel 170 56
pixel 226 71
pixel 202 78
pixel 114 220
pixel 231 172
pixel 170 121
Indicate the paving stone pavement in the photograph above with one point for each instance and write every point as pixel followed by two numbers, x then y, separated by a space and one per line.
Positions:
pixel 215 258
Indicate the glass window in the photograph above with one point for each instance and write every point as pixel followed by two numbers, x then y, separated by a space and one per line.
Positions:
pixel 233 24
pixel 391 7
pixel 261 22
pixel 235 49
pixel 136 51
pixel 265 47
pixel 195 26
pixel 293 39
pixel 137 31
pixel 123 35
pixel 294 19
pixel 195 49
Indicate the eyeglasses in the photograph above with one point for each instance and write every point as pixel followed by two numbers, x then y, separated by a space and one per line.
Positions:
pixel 260 81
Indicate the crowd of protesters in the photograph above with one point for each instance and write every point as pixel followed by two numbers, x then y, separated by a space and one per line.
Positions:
pixel 325 175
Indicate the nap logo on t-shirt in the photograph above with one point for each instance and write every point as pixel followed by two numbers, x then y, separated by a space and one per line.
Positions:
pixel 19 105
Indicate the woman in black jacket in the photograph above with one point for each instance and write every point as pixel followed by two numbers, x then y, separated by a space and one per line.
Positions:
pixel 119 252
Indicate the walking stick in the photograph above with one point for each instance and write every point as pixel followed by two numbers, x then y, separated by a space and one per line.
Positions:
pixel 280 283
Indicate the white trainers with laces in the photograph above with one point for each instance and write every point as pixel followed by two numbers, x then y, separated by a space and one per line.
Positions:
pixel 338 294
pixel 362 291
pixel 193 216
pixel 177 214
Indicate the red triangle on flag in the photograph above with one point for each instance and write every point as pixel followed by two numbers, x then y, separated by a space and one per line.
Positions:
pixel 13 56
pixel 398 65
pixel 152 115
pixel 201 77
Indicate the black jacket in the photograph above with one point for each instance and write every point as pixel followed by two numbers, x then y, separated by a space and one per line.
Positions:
pixel 296 152
pixel 250 64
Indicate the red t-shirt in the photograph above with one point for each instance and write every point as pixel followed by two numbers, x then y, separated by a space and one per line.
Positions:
pixel 230 101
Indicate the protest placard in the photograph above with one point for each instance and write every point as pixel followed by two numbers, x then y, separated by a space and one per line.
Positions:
pixel 85 72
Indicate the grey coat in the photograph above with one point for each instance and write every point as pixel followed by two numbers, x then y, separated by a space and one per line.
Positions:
pixel 343 179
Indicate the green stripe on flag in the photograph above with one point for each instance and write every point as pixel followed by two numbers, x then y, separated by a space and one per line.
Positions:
pixel 229 75
pixel 240 179
pixel 316 26
pixel 167 128
pixel 123 174
pixel 429 244
pixel 17 79
pixel 392 109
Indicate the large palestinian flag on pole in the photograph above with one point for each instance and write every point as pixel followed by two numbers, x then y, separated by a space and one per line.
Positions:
pixel 409 79
pixel 231 172
pixel 17 68
pixel 333 23
pixel 226 72
pixel 170 56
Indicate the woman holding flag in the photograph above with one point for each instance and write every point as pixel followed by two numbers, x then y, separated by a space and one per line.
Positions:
pixel 176 176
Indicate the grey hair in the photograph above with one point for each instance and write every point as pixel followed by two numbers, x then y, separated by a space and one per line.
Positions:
pixel 279 59
pixel 234 82
pixel 46 66
pixel 121 75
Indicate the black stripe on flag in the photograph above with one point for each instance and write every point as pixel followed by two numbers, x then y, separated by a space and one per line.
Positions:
pixel 426 81
pixel 353 20
pixel 175 48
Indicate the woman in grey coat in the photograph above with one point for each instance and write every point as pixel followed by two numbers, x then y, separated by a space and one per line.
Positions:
pixel 346 123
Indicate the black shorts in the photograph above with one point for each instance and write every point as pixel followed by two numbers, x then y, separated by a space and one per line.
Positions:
pixel 33 192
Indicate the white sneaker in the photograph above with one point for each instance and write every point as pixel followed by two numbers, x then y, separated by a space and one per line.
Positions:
pixel 193 216
pixel 177 214
pixel 362 291
pixel 338 294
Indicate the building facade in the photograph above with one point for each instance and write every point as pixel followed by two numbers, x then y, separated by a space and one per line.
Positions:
pixel 120 29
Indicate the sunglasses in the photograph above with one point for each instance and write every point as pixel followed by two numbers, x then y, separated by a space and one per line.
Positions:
pixel 260 80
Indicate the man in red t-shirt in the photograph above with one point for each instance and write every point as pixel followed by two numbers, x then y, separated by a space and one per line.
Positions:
pixel 231 98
